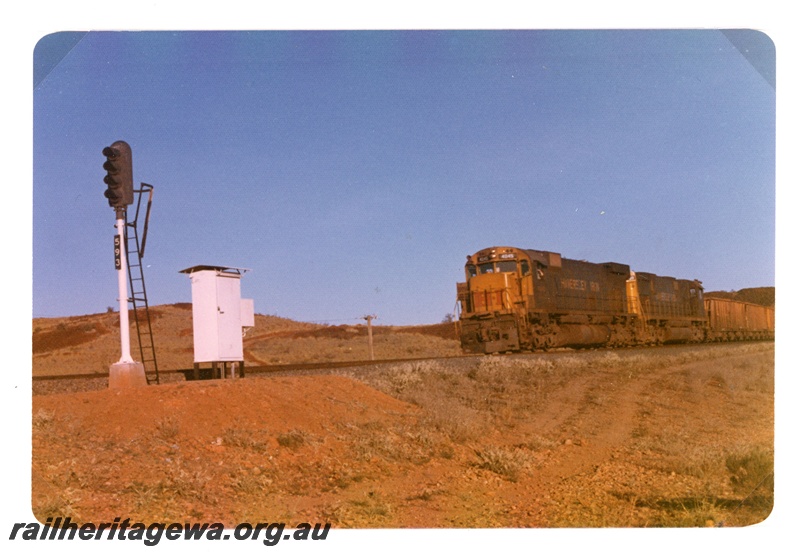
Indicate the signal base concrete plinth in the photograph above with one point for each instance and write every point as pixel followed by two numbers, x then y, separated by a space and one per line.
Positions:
pixel 126 375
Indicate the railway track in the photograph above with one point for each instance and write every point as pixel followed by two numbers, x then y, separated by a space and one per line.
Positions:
pixel 55 384
pixel 264 369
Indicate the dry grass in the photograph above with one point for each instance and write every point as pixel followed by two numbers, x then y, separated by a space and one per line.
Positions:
pixel 508 463
pixel 750 470
pixel 493 392
pixel 373 442
pixel 245 439
pixel 497 393
pixel 294 439
pixel 397 345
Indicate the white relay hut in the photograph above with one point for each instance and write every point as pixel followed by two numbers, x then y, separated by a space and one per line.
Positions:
pixel 219 317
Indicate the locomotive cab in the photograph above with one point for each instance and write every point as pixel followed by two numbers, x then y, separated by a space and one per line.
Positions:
pixel 516 299
pixel 494 281
pixel 492 299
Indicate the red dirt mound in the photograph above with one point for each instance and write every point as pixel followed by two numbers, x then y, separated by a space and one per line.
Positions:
pixel 202 409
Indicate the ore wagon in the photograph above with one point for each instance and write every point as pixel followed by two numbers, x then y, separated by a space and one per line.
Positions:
pixel 730 320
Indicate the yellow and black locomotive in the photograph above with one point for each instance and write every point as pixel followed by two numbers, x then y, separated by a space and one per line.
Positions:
pixel 520 299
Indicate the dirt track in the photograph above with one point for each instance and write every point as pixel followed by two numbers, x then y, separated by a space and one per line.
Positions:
pixel 635 438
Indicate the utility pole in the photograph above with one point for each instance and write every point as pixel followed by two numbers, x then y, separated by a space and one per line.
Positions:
pixel 369 318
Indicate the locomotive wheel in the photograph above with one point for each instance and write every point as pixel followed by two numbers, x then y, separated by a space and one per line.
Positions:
pixel 542 341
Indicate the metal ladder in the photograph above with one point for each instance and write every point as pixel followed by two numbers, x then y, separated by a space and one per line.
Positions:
pixel 138 292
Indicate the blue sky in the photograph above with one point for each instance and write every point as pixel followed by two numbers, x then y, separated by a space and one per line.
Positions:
pixel 353 171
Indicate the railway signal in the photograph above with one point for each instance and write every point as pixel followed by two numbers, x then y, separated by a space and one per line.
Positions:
pixel 119 178
pixel 119 174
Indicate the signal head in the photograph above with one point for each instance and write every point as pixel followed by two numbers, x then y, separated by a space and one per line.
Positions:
pixel 119 177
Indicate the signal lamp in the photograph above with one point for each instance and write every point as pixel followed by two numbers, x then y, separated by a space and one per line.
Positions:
pixel 119 174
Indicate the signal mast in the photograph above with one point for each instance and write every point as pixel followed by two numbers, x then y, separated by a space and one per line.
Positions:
pixel 119 179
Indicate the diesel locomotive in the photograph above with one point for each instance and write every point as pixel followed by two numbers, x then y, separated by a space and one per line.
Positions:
pixel 521 299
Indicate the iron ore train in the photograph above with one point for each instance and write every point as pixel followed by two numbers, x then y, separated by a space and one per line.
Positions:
pixel 520 299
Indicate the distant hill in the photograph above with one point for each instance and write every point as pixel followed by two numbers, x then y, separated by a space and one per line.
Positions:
pixel 90 343
pixel 761 296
